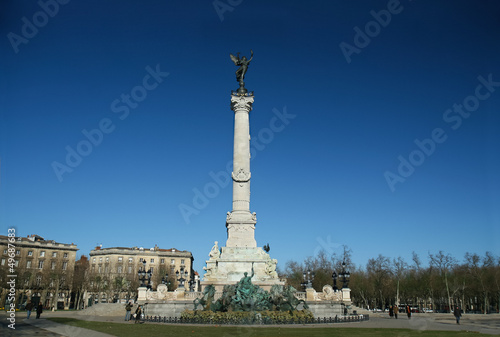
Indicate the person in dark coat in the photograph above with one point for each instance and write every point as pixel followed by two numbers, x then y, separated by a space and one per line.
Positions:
pixel 39 310
pixel 396 310
pixel 138 313
pixel 408 311
pixel 28 308
pixel 390 311
pixel 128 309
pixel 457 313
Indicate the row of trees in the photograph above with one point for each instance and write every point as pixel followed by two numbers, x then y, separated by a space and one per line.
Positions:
pixel 104 287
pixel 48 286
pixel 473 284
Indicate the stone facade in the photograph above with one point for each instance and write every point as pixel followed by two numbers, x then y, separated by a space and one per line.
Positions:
pixel 123 262
pixel 44 270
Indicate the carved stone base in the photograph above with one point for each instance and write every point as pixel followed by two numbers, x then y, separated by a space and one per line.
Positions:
pixel 233 262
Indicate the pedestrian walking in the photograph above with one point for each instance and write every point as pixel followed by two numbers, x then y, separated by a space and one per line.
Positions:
pixel 457 313
pixel 390 311
pixel 128 309
pixel 138 313
pixel 39 310
pixel 408 311
pixel 396 310
pixel 28 308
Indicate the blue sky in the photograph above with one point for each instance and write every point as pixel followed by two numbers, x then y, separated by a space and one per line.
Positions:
pixel 336 121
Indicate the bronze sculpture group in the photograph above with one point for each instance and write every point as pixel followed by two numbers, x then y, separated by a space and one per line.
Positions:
pixel 245 296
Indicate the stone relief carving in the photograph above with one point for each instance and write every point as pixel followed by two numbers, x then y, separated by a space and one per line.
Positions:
pixel 330 295
pixel 242 228
pixel 162 291
pixel 271 268
pixel 241 176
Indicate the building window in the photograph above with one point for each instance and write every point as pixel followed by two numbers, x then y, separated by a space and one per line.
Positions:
pixel 162 260
pixel 52 265
pixel 65 255
pixel 28 264
pixel 182 261
pixel 17 263
pixel 120 269
pixel 38 280
pixel 120 259
pixel 107 259
pixel 93 260
pixel 141 259
pixel 152 261
pixel 40 264
pixel 152 269
pixel 30 253
pixel 64 265
pixel 3 262
pixel 100 259
pixel 93 269
pixel 130 260
pixel 5 251
pixel 100 269
pixel 54 254
pixel 106 269
pixel 130 269
pixel 172 261
pixel 42 253
pixel 18 252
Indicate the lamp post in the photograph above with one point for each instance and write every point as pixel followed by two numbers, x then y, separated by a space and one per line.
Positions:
pixel 165 281
pixel 181 276
pixel 308 278
pixel 144 275
pixel 344 276
pixel 334 277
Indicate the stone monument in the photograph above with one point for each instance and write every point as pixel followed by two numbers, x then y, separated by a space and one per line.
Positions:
pixel 228 264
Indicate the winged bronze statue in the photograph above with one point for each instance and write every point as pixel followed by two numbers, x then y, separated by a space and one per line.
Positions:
pixel 243 64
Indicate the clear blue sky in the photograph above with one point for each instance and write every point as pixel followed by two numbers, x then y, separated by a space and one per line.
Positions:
pixel 351 107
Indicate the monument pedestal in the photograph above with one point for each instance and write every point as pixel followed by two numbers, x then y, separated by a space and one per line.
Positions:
pixel 229 267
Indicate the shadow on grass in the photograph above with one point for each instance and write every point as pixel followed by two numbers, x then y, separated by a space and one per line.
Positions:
pixel 150 329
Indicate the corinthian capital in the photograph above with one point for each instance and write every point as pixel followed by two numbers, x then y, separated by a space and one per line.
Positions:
pixel 241 103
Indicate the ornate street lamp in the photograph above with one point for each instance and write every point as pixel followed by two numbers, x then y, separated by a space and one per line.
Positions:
pixel 334 277
pixel 165 281
pixel 145 275
pixel 308 278
pixel 181 277
pixel 191 285
pixel 344 275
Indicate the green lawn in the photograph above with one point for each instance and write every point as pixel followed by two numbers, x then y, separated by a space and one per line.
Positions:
pixel 137 330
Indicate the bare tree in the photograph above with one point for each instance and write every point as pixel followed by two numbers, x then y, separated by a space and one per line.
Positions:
pixel 443 263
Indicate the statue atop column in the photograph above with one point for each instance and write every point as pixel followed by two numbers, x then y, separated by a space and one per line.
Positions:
pixel 243 64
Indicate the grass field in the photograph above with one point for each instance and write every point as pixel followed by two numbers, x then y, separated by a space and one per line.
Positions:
pixel 138 330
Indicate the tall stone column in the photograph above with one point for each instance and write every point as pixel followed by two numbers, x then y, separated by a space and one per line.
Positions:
pixel 240 222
